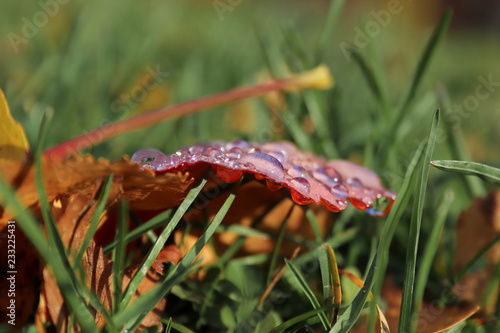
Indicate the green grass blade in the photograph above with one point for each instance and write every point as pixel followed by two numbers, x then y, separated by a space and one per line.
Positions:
pixel 147 302
pixel 482 171
pixel 277 245
pixel 181 328
pixel 347 320
pixel 324 268
pixel 284 327
pixel 461 273
pixel 326 36
pixel 304 287
pixel 423 65
pixel 168 326
pixel 389 139
pixel 406 313
pixel 119 254
pixel 101 203
pixel 314 225
pixel 430 250
pixel 150 234
pixel 160 242
pixel 372 79
pixel 151 224
pixel 313 100
pixel 394 217
pixel 492 289
pixel 320 123
pixel 458 148
pixel 55 240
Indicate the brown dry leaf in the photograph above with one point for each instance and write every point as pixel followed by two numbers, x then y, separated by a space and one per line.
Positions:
pixel 83 174
pixel 98 274
pixel 477 226
pixel 431 318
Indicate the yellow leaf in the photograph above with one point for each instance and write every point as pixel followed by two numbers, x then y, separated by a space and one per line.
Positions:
pixel 13 141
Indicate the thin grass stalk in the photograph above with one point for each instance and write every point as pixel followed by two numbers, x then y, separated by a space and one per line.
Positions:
pixel 147 302
pixel 429 253
pixel 381 259
pixel 101 203
pixel 160 242
pixel 277 245
pixel 119 254
pixel 151 224
pixel 407 310
pixel 304 287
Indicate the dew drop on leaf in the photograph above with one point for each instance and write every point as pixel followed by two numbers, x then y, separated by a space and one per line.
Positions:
pixel 301 184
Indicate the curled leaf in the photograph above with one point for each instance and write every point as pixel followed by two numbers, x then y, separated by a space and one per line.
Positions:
pixel 281 164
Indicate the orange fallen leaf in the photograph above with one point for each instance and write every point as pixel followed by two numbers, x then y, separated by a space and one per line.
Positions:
pixel 98 275
pixel 431 318
pixel 477 226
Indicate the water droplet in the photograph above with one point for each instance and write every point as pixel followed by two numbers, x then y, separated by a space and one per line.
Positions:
pixel 297 171
pixel 212 152
pixel 327 175
pixel 380 207
pixel 342 203
pixel 259 176
pixel 273 186
pixel 195 150
pixel 330 206
pixel 299 198
pixel 147 156
pixel 279 155
pixel 234 153
pixel 227 175
pixel 354 182
pixel 183 152
pixel 254 150
pixel 173 159
pixel 340 191
pixel 247 165
pixel 243 145
pixel 301 184
pixel 360 203
pixel 265 165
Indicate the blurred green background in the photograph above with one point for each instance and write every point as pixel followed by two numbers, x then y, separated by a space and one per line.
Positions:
pixel 85 58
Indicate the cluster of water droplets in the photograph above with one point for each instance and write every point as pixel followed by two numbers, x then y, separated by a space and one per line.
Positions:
pixel 309 178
